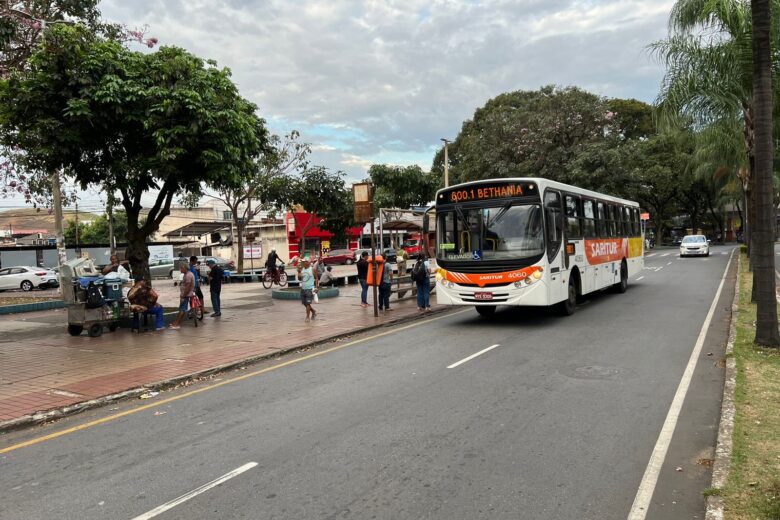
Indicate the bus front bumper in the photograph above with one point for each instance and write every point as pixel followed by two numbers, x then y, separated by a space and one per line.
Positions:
pixel 535 294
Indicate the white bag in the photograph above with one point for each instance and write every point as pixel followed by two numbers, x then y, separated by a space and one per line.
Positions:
pixel 316 297
pixel 123 273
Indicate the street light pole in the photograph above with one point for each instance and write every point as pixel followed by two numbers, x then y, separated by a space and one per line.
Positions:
pixel 446 164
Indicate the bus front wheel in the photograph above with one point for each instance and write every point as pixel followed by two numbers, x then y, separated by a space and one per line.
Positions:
pixel 485 310
pixel 569 305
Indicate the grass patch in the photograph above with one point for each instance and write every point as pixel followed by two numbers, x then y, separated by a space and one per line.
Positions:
pixel 753 489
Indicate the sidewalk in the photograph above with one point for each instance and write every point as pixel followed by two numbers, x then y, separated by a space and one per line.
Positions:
pixel 42 368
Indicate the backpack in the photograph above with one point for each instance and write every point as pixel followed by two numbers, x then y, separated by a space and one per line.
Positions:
pixel 419 273
pixel 94 297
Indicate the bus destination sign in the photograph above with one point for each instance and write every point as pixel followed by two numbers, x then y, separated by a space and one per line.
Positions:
pixel 488 191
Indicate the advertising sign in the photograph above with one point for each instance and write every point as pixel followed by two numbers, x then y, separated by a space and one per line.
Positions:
pixel 158 253
pixel 253 252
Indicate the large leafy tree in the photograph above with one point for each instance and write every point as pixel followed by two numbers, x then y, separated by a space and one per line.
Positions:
pixel 541 133
pixel 287 156
pixel 764 264
pixel 402 186
pixel 165 123
pixel 317 191
pixel 98 230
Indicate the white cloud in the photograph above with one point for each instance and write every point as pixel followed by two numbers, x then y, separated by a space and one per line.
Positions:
pixel 387 78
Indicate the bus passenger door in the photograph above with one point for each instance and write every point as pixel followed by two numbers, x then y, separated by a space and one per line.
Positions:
pixel 553 212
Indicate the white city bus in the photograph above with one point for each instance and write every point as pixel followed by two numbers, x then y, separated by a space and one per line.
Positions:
pixel 531 241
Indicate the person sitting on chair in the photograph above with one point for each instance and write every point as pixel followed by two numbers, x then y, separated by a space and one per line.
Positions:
pixel 326 279
pixel 143 300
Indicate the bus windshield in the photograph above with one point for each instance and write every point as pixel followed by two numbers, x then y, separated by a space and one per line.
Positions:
pixel 494 233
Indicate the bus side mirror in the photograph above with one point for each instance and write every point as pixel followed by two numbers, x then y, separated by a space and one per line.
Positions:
pixel 426 222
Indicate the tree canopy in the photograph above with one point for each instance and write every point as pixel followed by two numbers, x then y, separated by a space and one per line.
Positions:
pixel 402 186
pixel 164 122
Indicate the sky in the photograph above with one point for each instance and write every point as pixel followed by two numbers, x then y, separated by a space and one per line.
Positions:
pixel 374 81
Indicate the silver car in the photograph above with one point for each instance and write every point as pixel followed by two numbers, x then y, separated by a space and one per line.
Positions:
pixel 162 268
pixel 694 245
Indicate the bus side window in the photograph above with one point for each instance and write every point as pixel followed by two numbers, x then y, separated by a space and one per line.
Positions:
pixel 554 222
pixel 636 223
pixel 572 217
pixel 601 224
pixel 611 224
pixel 627 231
pixel 588 219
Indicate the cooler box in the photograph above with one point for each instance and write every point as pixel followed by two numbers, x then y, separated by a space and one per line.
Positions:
pixel 112 289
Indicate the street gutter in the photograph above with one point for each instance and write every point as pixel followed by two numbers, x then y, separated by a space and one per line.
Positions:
pixel 722 464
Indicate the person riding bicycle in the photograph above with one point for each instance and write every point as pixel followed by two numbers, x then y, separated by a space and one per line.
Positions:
pixel 271 264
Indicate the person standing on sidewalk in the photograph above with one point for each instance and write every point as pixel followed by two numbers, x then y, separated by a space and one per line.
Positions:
pixel 385 286
pixel 186 291
pixel 362 270
pixel 309 283
pixel 196 274
pixel 421 276
pixel 215 286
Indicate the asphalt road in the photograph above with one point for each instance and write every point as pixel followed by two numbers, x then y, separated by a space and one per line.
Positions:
pixel 557 421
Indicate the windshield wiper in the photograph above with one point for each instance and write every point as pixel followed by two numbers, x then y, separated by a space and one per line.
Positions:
pixel 500 214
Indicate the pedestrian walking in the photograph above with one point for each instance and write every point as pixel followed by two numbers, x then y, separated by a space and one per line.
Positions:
pixel 421 276
pixel 362 271
pixel 216 274
pixel 195 270
pixel 401 258
pixel 309 282
pixel 186 291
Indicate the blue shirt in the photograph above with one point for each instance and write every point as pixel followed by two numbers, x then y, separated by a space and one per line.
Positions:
pixel 307 278
pixel 196 274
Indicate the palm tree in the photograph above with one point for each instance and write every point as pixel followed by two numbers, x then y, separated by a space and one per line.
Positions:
pixel 709 74
pixel 764 264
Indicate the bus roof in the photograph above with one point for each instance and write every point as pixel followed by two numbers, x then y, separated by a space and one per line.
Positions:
pixel 546 183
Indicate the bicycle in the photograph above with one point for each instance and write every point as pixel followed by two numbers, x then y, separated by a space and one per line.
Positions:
pixel 280 279
pixel 195 312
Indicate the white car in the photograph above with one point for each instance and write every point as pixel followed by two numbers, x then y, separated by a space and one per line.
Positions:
pixel 694 245
pixel 27 278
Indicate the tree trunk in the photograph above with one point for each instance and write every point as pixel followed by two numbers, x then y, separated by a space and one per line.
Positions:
pixel 138 255
pixel 767 333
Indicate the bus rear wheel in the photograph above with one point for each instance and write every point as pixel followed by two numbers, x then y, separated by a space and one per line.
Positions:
pixel 622 285
pixel 485 311
pixel 569 305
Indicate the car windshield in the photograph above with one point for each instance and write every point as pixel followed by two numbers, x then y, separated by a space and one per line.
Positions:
pixel 496 233
pixel 694 240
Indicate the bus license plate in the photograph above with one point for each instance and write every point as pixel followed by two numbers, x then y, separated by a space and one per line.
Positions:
pixel 483 295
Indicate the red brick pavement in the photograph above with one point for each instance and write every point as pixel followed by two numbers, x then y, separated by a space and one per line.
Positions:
pixel 52 370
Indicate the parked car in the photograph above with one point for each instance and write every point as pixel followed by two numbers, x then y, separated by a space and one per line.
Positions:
pixel 390 255
pixel 27 278
pixel 695 245
pixel 339 257
pixel 161 268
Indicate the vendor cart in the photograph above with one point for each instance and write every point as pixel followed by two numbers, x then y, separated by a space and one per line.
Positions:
pixel 79 278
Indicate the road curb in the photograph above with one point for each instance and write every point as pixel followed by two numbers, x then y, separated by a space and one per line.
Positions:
pixel 31 307
pixel 722 464
pixel 164 384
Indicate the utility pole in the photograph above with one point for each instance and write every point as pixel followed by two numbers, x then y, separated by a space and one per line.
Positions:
pixel 110 212
pixel 446 164
pixel 77 227
pixel 57 199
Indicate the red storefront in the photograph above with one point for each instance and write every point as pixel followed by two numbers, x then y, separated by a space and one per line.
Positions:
pixel 316 238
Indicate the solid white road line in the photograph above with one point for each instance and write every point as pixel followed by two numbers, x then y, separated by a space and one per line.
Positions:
pixel 665 254
pixel 646 488
pixel 639 278
pixel 195 492
pixel 650 255
pixel 491 347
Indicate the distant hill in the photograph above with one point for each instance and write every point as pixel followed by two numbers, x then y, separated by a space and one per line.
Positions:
pixel 31 218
